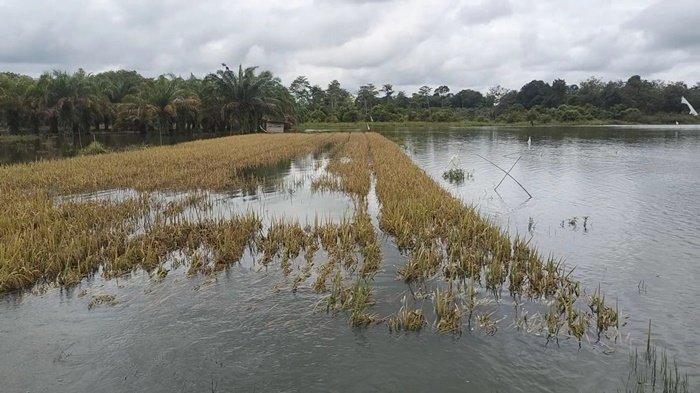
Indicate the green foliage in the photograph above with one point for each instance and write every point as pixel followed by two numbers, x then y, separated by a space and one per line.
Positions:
pixel 442 115
pixel 454 175
pixel 532 115
pixel 248 99
pixel 124 100
pixel 241 100
pixel 93 148
pixel 632 114
pixel 568 113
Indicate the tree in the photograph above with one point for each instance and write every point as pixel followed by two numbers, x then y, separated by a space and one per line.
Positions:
pixel 116 86
pixel 249 98
pixel 335 95
pixel 441 96
pixel 401 100
pixel 157 101
pixel 611 95
pixel 441 90
pixel 468 99
pixel 534 93
pixel 669 97
pixel 589 92
pixel 318 98
pixel 242 99
pixel 558 93
pixel 423 96
pixel 496 93
pixel 71 99
pixel 367 99
pixel 301 90
pixel 17 99
pixel 388 91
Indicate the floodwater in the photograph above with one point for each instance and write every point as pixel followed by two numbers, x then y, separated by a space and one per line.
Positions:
pixel 33 147
pixel 242 331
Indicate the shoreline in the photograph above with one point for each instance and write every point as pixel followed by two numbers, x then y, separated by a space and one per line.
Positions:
pixel 379 126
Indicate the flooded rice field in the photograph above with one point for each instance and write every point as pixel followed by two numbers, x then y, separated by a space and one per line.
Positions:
pixel 32 147
pixel 617 204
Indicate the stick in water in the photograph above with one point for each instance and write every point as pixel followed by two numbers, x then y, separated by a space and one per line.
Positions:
pixel 507 174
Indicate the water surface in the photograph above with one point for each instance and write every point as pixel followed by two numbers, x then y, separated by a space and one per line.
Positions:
pixel 243 331
pixel 33 147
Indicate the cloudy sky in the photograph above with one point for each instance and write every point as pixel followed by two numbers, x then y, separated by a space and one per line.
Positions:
pixel 461 43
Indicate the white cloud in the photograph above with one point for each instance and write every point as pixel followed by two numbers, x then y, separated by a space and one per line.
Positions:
pixel 462 43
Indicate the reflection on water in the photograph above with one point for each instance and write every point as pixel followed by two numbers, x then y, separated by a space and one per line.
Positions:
pixel 637 190
pixel 279 191
pixel 26 148
pixel 620 204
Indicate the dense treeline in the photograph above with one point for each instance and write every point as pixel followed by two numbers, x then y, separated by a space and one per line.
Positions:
pixel 227 100
pixel 241 100
pixel 636 100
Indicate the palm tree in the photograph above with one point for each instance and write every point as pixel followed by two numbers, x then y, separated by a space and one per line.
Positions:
pixel 158 102
pixel 71 100
pixel 187 112
pixel 249 98
pixel 131 116
pixel 188 107
pixel 116 86
pixel 211 114
pixel 161 94
pixel 17 95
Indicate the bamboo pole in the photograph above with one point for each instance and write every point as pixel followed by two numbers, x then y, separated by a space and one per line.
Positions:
pixel 506 172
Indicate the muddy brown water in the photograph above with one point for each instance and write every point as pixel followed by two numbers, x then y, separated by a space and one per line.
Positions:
pixel 638 187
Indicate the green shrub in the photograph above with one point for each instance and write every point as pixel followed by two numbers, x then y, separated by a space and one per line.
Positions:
pixel 442 115
pixel 93 148
pixel 632 114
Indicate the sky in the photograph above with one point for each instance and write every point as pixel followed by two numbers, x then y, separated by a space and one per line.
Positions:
pixel 460 43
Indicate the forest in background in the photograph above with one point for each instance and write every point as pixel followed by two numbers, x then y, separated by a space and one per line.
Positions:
pixel 241 100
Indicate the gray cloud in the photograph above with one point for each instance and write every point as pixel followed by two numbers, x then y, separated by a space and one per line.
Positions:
pixel 485 11
pixel 667 25
pixel 462 43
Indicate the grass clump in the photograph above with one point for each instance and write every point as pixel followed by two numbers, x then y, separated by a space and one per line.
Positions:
pixel 455 175
pixel 93 148
pixel 651 372
pixel 407 319
pixel 105 299
pixel 447 312
pixel 605 316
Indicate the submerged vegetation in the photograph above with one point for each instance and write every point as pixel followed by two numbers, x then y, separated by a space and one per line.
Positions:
pixel 92 149
pixel 454 262
pixel 455 175
pixel 46 239
pixel 52 235
pixel 649 372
